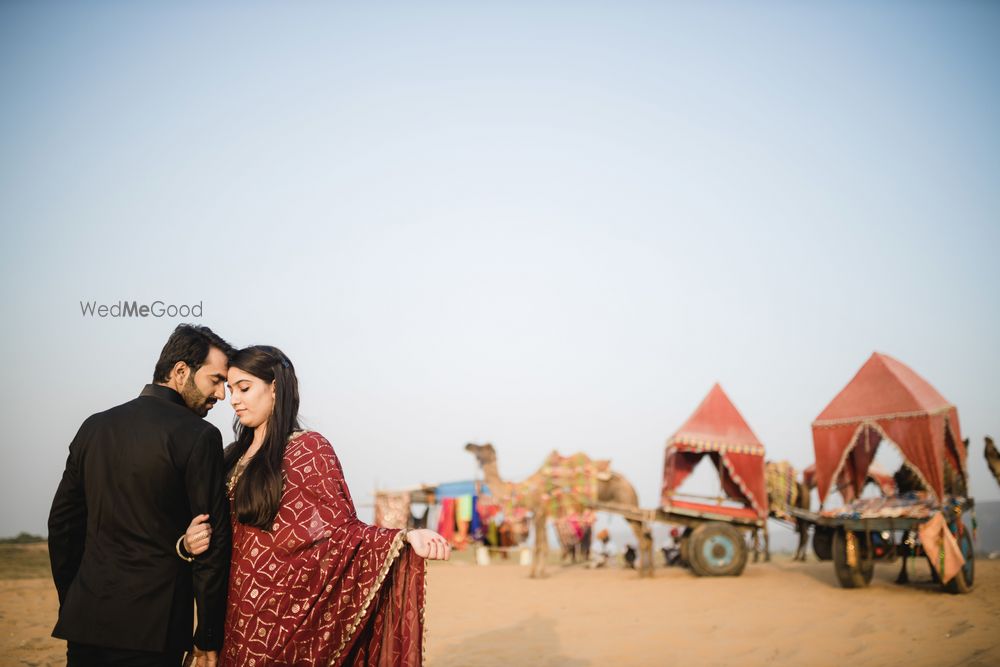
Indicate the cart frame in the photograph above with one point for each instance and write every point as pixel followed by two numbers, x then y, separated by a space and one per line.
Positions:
pixel 854 572
pixel 713 543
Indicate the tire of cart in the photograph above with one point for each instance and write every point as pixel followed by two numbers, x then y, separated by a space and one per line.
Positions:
pixel 860 573
pixel 717 550
pixel 962 582
pixel 823 542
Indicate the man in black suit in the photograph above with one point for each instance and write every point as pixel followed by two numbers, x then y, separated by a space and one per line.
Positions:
pixel 135 477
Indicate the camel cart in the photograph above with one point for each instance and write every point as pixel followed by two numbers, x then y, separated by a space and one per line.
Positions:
pixel 822 536
pixel 714 542
pixel 861 539
pixel 888 401
pixel 716 529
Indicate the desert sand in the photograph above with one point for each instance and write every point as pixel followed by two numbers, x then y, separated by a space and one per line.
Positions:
pixel 780 613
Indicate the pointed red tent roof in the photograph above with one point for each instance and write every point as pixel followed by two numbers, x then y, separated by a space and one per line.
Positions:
pixel 716 427
pixel 884 386
pixel 886 399
pixel 717 422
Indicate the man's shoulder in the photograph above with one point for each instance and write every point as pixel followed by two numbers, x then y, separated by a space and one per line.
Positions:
pixel 112 415
pixel 169 410
pixel 153 412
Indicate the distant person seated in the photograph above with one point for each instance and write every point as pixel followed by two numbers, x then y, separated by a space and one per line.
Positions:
pixel 630 556
pixel 604 551
pixel 672 548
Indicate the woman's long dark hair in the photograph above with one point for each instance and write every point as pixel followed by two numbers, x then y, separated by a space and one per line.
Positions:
pixel 257 495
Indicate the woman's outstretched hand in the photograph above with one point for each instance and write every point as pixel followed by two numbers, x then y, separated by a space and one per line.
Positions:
pixel 428 544
pixel 198 535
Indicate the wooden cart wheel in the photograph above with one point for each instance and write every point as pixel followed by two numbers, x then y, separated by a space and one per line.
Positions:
pixel 823 542
pixel 860 574
pixel 717 550
pixel 962 582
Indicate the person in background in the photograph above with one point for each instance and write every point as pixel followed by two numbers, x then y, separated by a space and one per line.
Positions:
pixel 605 550
pixel 630 555
pixel 672 548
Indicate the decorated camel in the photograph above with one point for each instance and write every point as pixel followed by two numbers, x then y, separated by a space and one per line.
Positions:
pixel 561 486
pixel 784 490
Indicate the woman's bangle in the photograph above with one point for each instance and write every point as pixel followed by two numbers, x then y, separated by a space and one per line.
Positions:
pixel 178 547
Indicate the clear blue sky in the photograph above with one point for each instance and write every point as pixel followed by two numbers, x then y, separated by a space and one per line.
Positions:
pixel 546 225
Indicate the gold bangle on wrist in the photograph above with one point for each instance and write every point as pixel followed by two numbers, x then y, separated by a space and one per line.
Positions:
pixel 178 547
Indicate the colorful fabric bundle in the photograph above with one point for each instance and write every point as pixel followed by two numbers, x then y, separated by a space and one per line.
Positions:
pixel 392 510
pixel 941 547
pixel 463 508
pixel 446 520
pixel 912 505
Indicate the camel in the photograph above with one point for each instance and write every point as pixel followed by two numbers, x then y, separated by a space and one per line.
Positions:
pixel 611 488
pixel 992 458
pixel 784 489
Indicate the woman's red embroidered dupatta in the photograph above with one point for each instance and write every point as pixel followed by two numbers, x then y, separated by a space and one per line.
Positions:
pixel 321 587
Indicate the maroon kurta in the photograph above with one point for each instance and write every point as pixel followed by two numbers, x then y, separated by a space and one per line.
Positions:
pixel 321 587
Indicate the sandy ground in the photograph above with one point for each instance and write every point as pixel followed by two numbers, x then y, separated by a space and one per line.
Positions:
pixel 781 613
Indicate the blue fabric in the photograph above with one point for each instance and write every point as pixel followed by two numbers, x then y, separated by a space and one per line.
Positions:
pixel 476 527
pixel 457 489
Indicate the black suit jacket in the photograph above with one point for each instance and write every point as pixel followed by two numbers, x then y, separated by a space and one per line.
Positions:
pixel 135 476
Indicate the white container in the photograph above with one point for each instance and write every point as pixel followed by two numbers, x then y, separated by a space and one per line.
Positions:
pixel 482 555
pixel 525 556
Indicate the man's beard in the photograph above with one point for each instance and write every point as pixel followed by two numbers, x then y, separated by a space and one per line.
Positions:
pixel 197 401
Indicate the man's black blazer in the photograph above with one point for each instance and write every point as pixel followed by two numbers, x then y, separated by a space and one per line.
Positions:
pixel 135 476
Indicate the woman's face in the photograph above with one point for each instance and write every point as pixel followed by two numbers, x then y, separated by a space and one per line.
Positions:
pixel 252 398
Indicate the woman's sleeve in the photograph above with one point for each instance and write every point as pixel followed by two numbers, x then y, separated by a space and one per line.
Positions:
pixel 324 488
pixel 365 588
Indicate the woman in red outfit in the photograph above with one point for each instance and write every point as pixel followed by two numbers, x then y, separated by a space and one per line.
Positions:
pixel 310 584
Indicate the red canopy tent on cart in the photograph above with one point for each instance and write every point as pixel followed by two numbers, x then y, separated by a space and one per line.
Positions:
pixel 717 429
pixel 887 400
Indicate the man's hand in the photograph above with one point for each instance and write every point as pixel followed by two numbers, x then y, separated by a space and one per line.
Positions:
pixel 428 544
pixel 205 658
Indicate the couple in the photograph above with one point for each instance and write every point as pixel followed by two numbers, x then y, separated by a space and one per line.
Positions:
pixel 274 530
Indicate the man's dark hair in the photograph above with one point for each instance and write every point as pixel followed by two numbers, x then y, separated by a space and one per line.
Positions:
pixel 188 343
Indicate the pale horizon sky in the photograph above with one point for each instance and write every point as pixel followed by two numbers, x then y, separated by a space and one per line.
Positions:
pixel 544 225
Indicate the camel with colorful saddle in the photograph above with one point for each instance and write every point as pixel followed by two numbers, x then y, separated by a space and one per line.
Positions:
pixel 562 486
